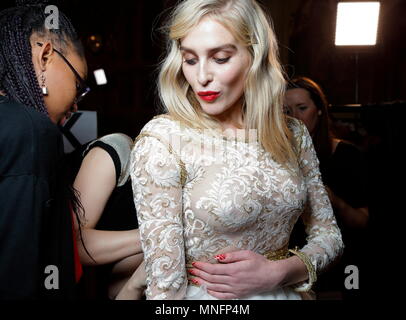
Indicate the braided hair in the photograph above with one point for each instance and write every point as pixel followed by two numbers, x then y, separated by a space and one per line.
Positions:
pixel 18 79
pixel 17 75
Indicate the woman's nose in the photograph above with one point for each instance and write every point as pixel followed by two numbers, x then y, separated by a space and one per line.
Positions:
pixel 205 75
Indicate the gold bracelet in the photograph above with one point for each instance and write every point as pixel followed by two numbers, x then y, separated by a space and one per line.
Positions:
pixel 310 268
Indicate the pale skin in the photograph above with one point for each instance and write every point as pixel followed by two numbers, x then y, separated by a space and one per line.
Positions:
pixel 300 105
pixel 120 247
pixel 213 60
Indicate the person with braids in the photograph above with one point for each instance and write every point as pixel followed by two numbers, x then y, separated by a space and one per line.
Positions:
pixel 41 82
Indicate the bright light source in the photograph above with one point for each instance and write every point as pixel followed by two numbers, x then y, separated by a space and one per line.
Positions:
pixel 357 23
pixel 100 76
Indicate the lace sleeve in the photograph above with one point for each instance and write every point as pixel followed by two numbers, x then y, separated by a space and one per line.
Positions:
pixel 156 181
pixel 324 242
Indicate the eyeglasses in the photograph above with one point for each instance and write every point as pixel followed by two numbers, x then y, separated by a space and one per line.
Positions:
pixel 82 88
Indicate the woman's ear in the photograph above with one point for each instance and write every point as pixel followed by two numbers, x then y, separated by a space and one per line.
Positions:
pixel 42 54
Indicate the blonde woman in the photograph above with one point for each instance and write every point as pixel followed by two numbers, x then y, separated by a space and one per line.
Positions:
pixel 223 172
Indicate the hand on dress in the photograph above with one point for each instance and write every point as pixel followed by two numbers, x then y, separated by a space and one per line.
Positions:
pixel 135 286
pixel 238 274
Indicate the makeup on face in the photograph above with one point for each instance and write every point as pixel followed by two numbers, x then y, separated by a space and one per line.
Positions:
pixel 208 95
pixel 215 65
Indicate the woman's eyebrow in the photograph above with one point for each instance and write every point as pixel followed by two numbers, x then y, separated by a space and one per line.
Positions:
pixel 219 48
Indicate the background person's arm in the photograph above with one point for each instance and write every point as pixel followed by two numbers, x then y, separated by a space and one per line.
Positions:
pixel 95 182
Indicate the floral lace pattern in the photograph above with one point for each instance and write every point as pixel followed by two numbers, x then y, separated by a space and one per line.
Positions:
pixel 235 196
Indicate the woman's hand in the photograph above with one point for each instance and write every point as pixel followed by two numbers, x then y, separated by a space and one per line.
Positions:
pixel 239 274
pixel 135 286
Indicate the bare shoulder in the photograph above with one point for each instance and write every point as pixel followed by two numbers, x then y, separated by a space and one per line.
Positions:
pixel 98 160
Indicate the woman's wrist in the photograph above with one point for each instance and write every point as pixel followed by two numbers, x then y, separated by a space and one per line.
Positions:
pixel 292 271
pixel 134 242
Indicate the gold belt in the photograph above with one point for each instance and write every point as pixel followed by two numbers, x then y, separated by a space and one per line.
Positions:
pixel 277 254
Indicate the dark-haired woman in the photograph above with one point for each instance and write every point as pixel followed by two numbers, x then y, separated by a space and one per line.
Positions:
pixel 342 167
pixel 41 81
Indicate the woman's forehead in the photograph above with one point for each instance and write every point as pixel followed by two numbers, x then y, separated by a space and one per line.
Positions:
pixel 209 34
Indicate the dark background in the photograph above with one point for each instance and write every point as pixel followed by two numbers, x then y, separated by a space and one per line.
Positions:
pixel 131 46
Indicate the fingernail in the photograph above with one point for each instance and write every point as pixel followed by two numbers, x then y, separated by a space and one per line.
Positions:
pixel 194 264
pixel 191 271
pixel 195 281
pixel 220 257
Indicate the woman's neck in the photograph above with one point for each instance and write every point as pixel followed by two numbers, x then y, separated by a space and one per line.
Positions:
pixel 231 119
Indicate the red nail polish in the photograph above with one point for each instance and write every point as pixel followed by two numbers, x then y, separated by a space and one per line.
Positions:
pixel 220 257
pixel 194 264
pixel 195 281
pixel 191 271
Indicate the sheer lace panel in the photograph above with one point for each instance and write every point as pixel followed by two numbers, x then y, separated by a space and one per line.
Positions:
pixel 234 197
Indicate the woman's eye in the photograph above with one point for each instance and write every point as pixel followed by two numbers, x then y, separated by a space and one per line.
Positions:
pixel 303 108
pixel 190 61
pixel 221 60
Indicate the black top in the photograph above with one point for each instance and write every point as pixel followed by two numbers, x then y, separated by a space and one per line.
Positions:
pixel 119 212
pixel 345 173
pixel 35 222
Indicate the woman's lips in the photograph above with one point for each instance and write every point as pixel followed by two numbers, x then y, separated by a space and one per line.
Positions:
pixel 208 95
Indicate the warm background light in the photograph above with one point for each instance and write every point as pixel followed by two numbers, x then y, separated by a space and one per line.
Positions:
pixel 357 23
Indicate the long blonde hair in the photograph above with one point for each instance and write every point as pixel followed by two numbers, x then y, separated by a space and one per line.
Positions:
pixel 265 83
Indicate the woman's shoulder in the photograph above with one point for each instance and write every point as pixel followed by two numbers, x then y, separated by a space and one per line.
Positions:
pixel 21 123
pixel 24 135
pixel 296 126
pixel 300 134
pixel 118 146
pixel 16 115
pixel 163 125
pixel 346 148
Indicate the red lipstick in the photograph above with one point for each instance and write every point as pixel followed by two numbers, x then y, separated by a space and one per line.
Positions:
pixel 209 95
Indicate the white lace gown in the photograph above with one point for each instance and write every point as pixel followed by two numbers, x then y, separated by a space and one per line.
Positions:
pixel 200 194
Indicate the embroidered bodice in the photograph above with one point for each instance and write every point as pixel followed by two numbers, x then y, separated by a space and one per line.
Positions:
pixel 200 193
